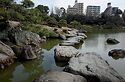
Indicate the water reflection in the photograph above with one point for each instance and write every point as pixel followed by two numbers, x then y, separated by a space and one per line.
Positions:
pixel 50 43
pixel 27 71
pixel 96 42
pixel 116 57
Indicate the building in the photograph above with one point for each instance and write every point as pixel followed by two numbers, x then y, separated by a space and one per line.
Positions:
pixel 110 11
pixel 76 9
pixel 93 11
pixel 72 11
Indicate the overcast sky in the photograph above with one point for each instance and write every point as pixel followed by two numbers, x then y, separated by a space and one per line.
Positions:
pixel 65 3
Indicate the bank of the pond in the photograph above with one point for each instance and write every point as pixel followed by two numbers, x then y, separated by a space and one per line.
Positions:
pixel 29 70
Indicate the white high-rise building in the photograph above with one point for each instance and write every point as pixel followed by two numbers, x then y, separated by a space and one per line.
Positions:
pixel 93 11
pixel 76 9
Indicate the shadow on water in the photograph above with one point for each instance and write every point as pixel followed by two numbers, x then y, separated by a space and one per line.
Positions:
pixel 50 43
pixel 117 58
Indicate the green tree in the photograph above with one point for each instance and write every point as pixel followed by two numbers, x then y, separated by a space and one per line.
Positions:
pixel 75 24
pixel 33 16
pixel 51 21
pixel 43 9
pixel 6 3
pixel 27 3
pixel 62 23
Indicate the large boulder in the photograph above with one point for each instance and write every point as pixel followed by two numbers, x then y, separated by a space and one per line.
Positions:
pixel 72 41
pixel 112 41
pixel 6 55
pixel 117 53
pixel 93 68
pixel 62 36
pixel 6 25
pixel 56 76
pixel 64 53
pixel 82 34
pixel 77 39
pixel 71 33
pixel 19 37
pixel 14 24
pixel 24 52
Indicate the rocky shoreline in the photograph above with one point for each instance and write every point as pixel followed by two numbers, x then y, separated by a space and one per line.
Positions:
pixel 17 44
pixel 24 45
pixel 90 66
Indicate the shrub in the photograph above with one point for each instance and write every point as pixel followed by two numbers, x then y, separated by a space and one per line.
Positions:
pixel 62 23
pixel 51 21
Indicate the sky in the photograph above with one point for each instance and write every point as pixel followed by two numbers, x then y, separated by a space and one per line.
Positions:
pixel 65 3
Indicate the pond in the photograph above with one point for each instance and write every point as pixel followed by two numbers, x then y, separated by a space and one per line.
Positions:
pixel 26 71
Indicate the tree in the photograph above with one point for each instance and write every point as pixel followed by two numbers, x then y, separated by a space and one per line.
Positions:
pixel 43 9
pixel 62 23
pixel 6 3
pixel 51 21
pixel 75 24
pixel 58 11
pixel 27 3
pixel 123 15
pixel 63 14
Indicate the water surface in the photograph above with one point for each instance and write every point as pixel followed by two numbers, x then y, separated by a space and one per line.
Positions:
pixel 26 71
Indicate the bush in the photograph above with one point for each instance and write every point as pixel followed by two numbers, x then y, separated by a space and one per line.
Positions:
pixel 47 33
pixel 62 23
pixel 51 21
pixel 75 24
pixel 39 30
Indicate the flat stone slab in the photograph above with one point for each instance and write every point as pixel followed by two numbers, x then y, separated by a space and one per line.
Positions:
pixel 93 68
pixel 73 41
pixel 64 53
pixel 56 76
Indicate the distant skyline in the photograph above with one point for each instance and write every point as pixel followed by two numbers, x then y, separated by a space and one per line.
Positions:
pixel 65 3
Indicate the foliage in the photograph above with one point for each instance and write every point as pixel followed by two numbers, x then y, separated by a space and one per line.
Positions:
pixel 62 23
pixel 47 33
pixel 43 9
pixel 27 3
pixel 51 21
pixel 123 16
pixel 79 18
pixel 75 24
pixel 5 3
pixel 39 30
pixel 58 11
pixel 34 16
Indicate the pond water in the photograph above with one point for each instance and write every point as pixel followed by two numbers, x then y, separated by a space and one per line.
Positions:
pixel 26 71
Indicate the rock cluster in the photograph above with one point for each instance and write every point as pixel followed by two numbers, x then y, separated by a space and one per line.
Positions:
pixel 93 68
pixel 85 67
pixel 18 44
pixel 117 53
